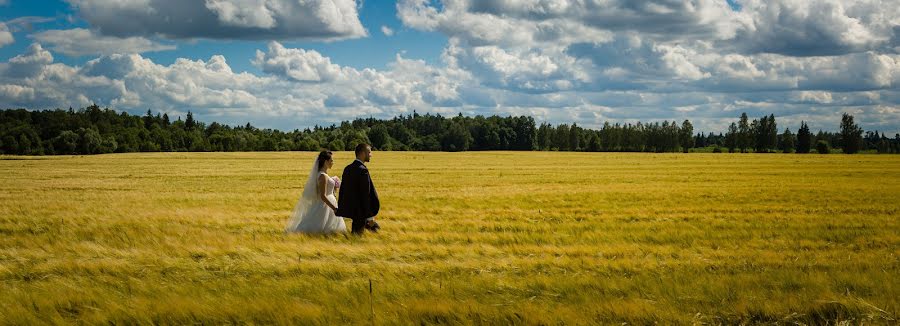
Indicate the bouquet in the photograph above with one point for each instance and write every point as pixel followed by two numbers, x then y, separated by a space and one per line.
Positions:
pixel 337 182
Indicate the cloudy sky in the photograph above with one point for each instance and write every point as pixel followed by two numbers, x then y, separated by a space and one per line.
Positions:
pixel 294 63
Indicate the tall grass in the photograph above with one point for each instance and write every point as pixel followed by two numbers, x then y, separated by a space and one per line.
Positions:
pixel 467 238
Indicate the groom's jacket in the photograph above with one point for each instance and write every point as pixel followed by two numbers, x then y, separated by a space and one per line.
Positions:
pixel 357 197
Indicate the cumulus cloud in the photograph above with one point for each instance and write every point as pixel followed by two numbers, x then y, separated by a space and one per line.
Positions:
pixel 80 41
pixel 387 31
pixel 300 86
pixel 296 64
pixel 245 13
pixel 6 37
pixel 816 28
pixel 655 59
pixel 789 27
pixel 665 46
pixel 224 19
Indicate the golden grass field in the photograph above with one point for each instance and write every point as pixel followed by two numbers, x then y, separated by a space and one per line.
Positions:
pixel 467 238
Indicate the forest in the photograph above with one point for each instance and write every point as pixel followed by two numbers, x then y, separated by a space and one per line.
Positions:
pixel 93 130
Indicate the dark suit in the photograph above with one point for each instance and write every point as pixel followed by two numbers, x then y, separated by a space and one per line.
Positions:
pixel 357 199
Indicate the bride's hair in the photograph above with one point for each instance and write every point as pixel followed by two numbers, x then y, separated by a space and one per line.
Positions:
pixel 323 157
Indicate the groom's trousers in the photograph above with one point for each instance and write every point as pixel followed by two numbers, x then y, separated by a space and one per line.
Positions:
pixel 359 225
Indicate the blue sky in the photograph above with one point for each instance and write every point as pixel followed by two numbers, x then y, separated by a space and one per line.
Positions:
pixel 378 49
pixel 288 64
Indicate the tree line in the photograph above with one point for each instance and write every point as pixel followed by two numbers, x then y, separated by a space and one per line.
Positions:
pixel 93 130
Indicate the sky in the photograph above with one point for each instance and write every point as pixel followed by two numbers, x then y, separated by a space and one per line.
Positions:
pixel 291 64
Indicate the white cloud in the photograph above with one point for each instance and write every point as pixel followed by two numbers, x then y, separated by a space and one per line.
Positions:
pixel 245 13
pixel 6 37
pixel 16 93
pixel 387 31
pixel 550 46
pixel 297 64
pixel 815 28
pixel 304 87
pixel 80 41
pixel 224 19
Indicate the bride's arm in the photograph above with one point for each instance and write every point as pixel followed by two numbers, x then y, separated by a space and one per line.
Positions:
pixel 322 185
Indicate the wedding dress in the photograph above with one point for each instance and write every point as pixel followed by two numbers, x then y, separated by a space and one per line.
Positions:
pixel 311 214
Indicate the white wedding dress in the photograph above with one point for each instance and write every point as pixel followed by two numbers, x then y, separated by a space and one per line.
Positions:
pixel 311 215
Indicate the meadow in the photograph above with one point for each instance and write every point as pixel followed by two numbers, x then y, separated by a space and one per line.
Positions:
pixel 467 238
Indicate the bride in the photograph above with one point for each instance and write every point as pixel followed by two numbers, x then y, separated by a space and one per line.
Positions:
pixel 314 212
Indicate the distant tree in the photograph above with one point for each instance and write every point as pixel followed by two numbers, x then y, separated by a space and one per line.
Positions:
pixel 787 141
pixel 66 142
pixel 544 136
pixel 771 133
pixel 561 139
pixel 353 138
pixel 189 123
pixel 148 119
pixel 379 136
pixel 308 144
pixel 574 137
pixel 430 143
pixel 456 139
pixel 336 145
pixel 687 138
pixel 804 138
pixel 9 145
pixel 593 143
pixel 744 133
pixel 108 144
pixel 731 138
pixel 851 135
pixel 896 143
pixel 90 141
pixel 25 145
pixel 822 147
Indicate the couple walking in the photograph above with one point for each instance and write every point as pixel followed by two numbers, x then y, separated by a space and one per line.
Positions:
pixel 318 211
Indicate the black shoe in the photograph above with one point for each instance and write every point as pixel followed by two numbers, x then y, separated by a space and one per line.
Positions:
pixel 373 227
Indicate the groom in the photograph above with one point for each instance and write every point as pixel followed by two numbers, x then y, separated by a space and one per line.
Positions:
pixel 358 199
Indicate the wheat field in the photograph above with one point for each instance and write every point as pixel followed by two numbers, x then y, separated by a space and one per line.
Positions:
pixel 467 238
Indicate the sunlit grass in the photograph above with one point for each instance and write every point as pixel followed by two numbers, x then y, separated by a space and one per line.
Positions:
pixel 488 237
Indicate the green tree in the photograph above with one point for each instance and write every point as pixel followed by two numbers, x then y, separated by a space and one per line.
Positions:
pixel 66 142
pixel 804 138
pixel 10 145
pixel 851 135
pixel 687 136
pixel 108 145
pixel 309 144
pixel 822 147
pixel 744 133
pixel 456 139
pixel 189 123
pixel 24 144
pixel 787 141
pixel 731 138
pixel 90 141
pixel 772 132
pixel 337 145
pixel 593 142
pixel 574 137
pixel 379 136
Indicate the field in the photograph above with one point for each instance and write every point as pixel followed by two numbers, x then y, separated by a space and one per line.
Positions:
pixel 467 238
